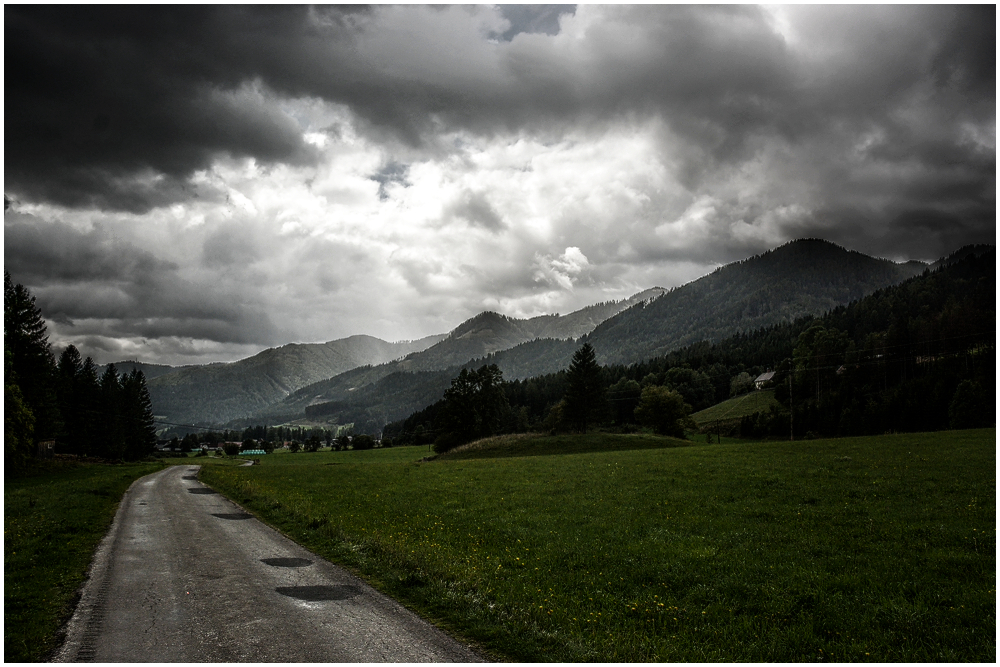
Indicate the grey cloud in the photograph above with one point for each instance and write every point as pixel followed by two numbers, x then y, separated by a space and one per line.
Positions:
pixel 92 276
pixel 229 245
pixel 39 251
pixel 476 210
pixel 116 106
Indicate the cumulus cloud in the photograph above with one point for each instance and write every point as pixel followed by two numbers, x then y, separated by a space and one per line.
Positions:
pixel 197 181
pixel 562 271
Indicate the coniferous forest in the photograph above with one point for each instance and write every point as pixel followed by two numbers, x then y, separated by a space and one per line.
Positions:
pixel 108 416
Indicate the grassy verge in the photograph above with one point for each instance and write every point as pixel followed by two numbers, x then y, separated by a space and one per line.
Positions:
pixel 54 518
pixel 879 549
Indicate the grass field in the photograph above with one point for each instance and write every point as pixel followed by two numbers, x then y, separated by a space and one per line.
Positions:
pixel 862 549
pixel 739 406
pixel 53 520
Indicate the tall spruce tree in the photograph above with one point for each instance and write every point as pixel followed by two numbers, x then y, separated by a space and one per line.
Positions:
pixel 31 360
pixel 137 417
pixel 585 402
pixel 112 437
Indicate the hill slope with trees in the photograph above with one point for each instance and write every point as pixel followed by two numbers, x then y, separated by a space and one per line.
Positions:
pixel 218 393
pixel 804 277
pixel 918 356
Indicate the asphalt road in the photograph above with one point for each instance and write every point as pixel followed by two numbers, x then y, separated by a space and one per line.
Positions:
pixel 184 575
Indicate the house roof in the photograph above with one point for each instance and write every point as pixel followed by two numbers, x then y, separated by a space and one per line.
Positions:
pixel 764 377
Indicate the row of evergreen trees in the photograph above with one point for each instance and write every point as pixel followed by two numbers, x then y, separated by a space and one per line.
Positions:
pixel 107 415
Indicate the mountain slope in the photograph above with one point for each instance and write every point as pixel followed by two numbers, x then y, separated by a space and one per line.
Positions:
pixel 491 332
pixel 807 277
pixel 803 277
pixel 217 393
pixel 149 371
pixel 528 345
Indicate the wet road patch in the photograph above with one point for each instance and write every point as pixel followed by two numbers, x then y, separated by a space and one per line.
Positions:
pixel 202 491
pixel 234 517
pixel 319 593
pixel 286 562
pixel 193 478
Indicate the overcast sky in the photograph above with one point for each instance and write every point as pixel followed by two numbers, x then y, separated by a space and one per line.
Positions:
pixel 196 184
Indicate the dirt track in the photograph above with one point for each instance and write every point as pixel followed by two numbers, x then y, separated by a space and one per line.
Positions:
pixel 184 575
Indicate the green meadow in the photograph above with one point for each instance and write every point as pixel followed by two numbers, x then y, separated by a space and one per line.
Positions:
pixel 739 406
pixel 634 548
pixel 53 520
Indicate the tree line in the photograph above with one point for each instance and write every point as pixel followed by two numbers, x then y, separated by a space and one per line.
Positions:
pixel 480 404
pixel 269 438
pixel 66 401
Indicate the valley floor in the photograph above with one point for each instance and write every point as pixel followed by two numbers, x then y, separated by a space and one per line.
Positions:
pixel 859 549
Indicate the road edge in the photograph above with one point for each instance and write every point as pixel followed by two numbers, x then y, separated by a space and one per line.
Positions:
pixel 86 615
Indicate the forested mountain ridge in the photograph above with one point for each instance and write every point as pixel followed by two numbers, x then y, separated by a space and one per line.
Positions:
pixel 490 332
pixel 807 276
pixel 917 356
pixel 218 393
pixel 150 371
pixel 527 347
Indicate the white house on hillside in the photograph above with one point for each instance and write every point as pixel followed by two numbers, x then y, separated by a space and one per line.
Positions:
pixel 764 377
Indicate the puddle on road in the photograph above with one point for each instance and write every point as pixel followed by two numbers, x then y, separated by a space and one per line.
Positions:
pixel 286 562
pixel 202 491
pixel 319 593
pixel 190 478
pixel 234 517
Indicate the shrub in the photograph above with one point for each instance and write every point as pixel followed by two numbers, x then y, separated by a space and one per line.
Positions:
pixel 363 442
pixel 664 410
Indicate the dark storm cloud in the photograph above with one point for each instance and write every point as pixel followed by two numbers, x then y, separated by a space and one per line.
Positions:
pixel 91 275
pixel 116 106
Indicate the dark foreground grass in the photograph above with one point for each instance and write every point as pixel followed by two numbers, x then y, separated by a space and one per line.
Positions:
pixel 863 549
pixel 53 520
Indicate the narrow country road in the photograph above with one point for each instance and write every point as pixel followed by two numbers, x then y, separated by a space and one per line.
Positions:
pixel 184 575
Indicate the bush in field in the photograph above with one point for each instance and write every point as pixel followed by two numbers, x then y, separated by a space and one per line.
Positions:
pixel 447 441
pixel 663 409
pixel 971 407
pixel 231 448
pixel 294 447
pixel 343 441
pixel 363 442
